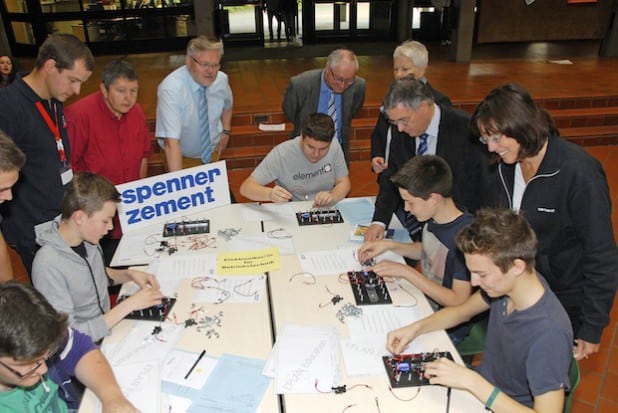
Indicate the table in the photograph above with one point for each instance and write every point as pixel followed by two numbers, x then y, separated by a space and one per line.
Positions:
pixel 249 331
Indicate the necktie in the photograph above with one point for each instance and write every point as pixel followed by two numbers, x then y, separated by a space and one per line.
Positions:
pixel 422 145
pixel 204 126
pixel 332 112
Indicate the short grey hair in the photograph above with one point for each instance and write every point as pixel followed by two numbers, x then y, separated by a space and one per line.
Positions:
pixel 118 69
pixel 408 92
pixel 203 44
pixel 414 51
pixel 339 55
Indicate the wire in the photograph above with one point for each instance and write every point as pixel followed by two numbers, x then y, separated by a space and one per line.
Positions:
pixel 279 233
pixel 418 390
pixel 341 389
pixel 306 274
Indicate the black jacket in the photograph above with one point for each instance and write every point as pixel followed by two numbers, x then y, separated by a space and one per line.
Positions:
pixel 568 205
pixel 464 154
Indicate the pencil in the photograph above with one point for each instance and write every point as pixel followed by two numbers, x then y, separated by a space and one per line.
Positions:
pixel 195 364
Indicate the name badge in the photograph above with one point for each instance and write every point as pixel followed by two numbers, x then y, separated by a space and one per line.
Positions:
pixel 66 174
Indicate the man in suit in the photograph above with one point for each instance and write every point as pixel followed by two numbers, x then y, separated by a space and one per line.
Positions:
pixel 335 90
pixel 430 129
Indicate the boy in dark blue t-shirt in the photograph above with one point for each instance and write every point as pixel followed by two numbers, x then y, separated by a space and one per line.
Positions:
pixel 425 184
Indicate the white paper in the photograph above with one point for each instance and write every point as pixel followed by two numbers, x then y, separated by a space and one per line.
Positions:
pixel 133 250
pixel 173 403
pixel 178 364
pixel 363 356
pixel 261 241
pixel 141 345
pixel 234 289
pixel 300 361
pixel 561 62
pixel 272 127
pixel 296 330
pixel 377 321
pixel 267 212
pixel 329 262
pixel 173 269
pixel 141 385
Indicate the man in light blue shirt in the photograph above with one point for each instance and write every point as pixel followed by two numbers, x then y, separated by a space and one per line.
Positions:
pixel 194 107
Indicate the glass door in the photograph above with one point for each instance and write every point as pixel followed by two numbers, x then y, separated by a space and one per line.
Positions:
pixel 348 20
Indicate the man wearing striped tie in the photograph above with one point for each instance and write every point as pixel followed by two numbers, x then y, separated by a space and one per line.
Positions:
pixel 194 108
pixel 433 130
pixel 335 90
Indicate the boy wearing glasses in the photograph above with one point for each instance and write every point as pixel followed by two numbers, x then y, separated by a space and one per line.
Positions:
pixel 194 108
pixel 39 354
pixel 335 90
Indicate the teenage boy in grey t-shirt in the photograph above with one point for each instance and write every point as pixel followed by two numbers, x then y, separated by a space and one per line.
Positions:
pixel 309 167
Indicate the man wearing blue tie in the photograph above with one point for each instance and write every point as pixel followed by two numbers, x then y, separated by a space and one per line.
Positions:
pixel 431 129
pixel 194 108
pixel 335 90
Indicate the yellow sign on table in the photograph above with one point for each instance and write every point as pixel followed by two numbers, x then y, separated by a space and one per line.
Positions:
pixel 248 262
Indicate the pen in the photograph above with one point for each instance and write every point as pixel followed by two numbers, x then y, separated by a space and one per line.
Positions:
pixel 448 399
pixel 195 364
pixel 378 406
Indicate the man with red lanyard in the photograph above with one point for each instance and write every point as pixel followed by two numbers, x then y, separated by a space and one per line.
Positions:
pixel 32 114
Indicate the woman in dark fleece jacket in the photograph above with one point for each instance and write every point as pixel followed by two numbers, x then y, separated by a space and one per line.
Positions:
pixel 562 191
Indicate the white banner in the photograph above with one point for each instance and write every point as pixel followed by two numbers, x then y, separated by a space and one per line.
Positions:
pixel 162 198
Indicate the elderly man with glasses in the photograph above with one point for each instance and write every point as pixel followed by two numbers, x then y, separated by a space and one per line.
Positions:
pixel 431 129
pixel 335 90
pixel 194 108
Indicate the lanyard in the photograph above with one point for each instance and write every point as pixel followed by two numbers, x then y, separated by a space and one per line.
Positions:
pixel 53 127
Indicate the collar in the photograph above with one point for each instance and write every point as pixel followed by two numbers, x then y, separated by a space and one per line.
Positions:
pixel 105 109
pixel 323 86
pixel 193 85
pixel 434 125
pixel 27 91
pixel 551 163
pixel 553 157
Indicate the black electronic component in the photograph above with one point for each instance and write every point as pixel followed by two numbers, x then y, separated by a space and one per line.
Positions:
pixel 369 288
pixel 319 217
pixel 408 370
pixel 180 228
pixel 154 313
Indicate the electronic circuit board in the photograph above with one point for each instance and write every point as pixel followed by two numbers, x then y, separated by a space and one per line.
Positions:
pixel 369 288
pixel 408 370
pixel 319 217
pixel 154 313
pixel 180 228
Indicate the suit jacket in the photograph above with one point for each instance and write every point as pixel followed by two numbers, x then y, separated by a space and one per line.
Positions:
pixel 303 94
pixel 467 158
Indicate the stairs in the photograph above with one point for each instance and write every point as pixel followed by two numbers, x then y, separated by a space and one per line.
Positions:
pixel 587 121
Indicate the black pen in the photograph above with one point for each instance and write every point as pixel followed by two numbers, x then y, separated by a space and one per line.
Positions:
pixel 448 399
pixel 195 364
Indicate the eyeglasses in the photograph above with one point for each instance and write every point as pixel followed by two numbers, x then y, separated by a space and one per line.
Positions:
pixel 31 371
pixel 341 79
pixel 206 65
pixel 495 138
